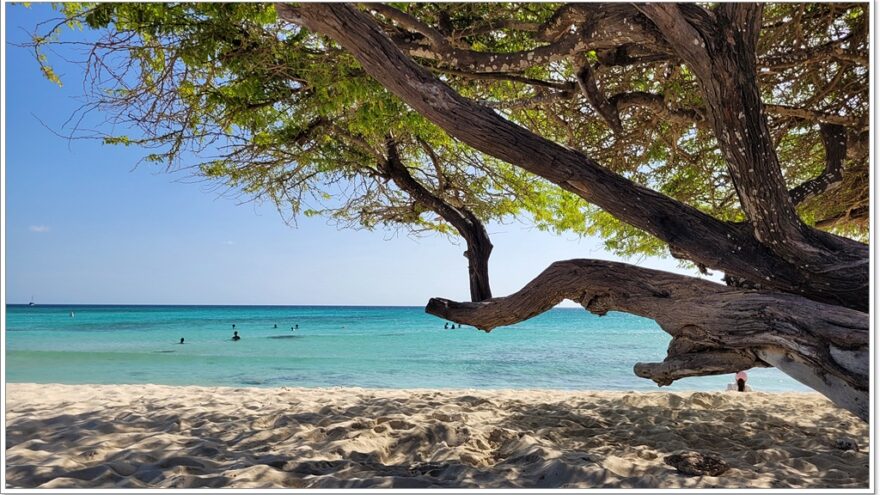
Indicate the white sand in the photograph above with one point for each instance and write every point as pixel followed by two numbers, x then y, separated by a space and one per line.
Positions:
pixel 159 436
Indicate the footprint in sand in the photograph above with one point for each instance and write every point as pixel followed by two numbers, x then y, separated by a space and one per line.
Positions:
pixel 395 423
pixel 447 417
pixel 88 455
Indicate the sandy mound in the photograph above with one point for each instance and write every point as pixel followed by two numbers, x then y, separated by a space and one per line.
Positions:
pixel 133 436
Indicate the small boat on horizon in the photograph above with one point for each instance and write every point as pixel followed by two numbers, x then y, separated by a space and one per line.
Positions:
pixel 32 302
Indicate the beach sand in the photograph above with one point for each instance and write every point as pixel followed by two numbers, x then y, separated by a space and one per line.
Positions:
pixel 134 436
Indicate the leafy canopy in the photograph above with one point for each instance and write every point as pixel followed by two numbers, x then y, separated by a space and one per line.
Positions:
pixel 282 114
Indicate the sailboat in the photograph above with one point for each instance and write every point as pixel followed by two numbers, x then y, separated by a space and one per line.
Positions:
pixel 32 302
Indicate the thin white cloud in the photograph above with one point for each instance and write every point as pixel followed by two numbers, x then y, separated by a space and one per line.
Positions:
pixel 40 229
pixel 228 243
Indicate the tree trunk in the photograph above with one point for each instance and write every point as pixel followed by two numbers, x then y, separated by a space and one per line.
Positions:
pixel 479 248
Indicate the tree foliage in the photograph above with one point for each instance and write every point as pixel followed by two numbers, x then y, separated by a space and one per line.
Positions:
pixel 287 115
pixel 280 114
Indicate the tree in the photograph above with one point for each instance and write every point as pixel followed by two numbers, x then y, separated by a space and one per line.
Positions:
pixel 734 136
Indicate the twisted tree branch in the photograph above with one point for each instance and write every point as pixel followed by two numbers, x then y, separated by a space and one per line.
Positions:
pixel 602 27
pixel 715 328
pixel 590 90
pixel 834 139
pixel 479 246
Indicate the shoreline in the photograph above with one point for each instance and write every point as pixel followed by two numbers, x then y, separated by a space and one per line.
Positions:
pixel 563 391
pixel 154 436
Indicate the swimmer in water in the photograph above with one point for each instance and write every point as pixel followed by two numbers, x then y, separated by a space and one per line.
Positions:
pixel 739 383
pixel 275 326
pixel 235 336
pixel 181 340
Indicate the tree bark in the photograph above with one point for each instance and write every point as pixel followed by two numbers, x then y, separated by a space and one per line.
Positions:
pixel 478 252
pixel 715 329
pixel 719 47
pixel 834 139
pixel 590 90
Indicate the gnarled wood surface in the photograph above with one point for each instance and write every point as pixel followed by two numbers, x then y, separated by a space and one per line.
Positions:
pixel 715 329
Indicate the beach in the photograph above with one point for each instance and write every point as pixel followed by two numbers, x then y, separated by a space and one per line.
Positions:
pixel 157 436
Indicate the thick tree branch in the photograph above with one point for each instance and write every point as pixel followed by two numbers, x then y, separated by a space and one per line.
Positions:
pixel 808 115
pixel 561 21
pixel 697 364
pixel 473 61
pixel 590 90
pixel 407 21
pixel 715 329
pixel 834 139
pixel 720 50
pixel 601 27
pixel 479 246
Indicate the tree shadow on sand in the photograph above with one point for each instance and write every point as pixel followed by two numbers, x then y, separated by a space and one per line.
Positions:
pixel 432 440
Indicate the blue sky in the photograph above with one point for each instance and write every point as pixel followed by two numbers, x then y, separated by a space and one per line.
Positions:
pixel 84 225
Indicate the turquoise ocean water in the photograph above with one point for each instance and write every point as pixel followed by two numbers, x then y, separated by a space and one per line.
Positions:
pixel 385 347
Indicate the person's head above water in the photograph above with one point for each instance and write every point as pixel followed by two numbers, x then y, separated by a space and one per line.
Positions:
pixel 741 378
pixel 181 340
pixel 235 333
